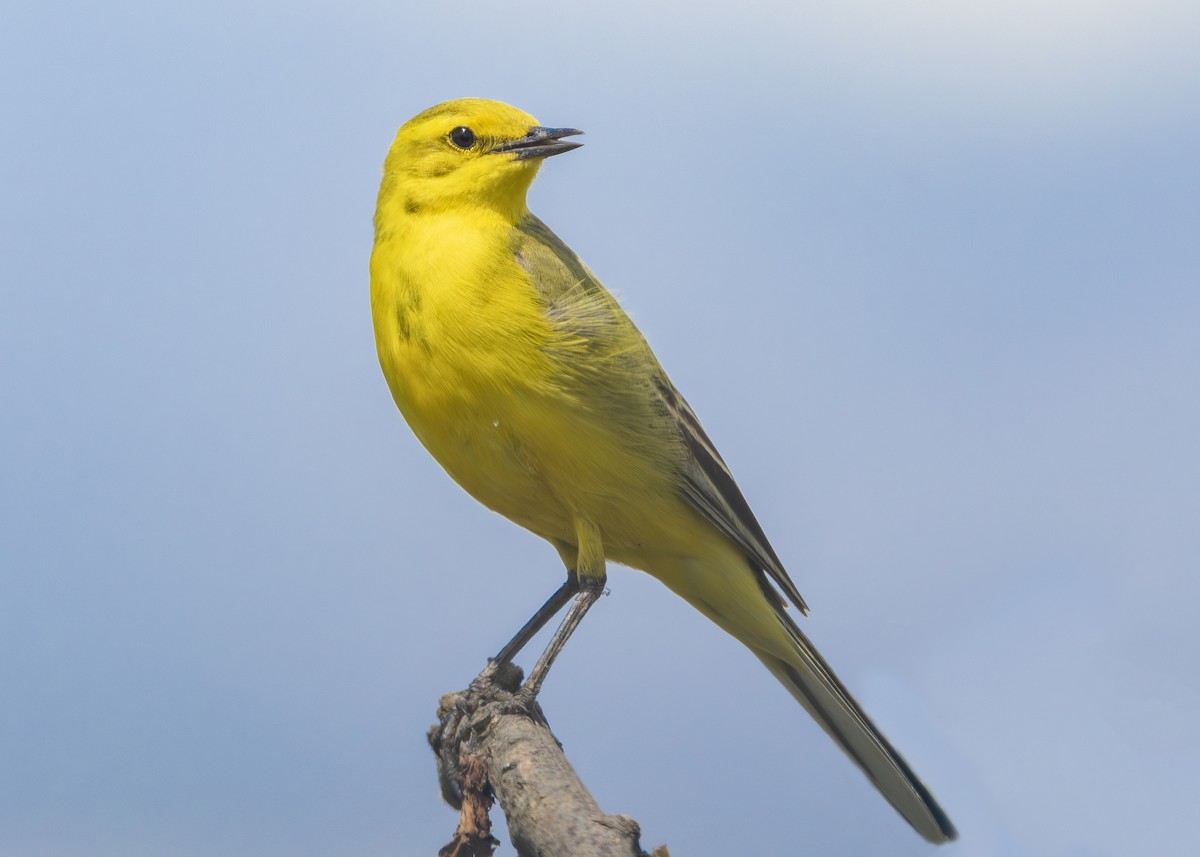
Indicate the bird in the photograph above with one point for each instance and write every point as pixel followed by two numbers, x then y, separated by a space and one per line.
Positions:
pixel 528 383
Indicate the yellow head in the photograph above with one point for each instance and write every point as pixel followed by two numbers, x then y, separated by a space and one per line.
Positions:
pixel 466 153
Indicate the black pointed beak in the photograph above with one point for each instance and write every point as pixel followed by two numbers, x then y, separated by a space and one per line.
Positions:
pixel 541 143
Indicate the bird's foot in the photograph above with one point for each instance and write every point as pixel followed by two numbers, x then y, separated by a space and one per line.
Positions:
pixel 497 675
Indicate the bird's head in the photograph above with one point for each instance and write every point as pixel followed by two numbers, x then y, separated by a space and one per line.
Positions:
pixel 467 153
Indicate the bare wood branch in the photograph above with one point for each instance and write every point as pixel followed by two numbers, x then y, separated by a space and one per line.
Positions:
pixel 550 812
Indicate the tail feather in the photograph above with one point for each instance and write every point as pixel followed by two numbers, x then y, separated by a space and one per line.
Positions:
pixel 738 598
pixel 817 688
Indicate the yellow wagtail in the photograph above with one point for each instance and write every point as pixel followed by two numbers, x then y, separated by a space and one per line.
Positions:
pixel 529 384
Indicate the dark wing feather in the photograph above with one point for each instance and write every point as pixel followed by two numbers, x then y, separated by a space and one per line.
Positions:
pixel 709 487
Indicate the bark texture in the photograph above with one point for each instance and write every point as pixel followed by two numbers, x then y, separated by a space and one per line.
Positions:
pixel 490 728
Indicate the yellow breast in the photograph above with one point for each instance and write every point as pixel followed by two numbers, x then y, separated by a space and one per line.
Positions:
pixel 524 415
pixel 461 340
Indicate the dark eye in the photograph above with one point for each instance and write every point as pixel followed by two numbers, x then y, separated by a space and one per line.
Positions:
pixel 463 137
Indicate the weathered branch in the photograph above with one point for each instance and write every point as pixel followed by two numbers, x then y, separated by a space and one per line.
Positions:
pixel 489 728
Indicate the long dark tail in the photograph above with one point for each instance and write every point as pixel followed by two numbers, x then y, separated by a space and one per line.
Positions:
pixel 818 689
pixel 729 591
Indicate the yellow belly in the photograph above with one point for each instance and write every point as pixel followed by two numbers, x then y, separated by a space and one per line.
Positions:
pixel 542 462
pixel 485 448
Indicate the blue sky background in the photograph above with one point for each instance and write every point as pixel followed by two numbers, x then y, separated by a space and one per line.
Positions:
pixel 929 272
